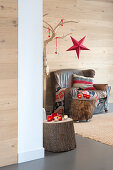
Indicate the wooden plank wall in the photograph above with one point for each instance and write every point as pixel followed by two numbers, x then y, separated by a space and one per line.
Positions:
pixel 8 81
pixel 95 20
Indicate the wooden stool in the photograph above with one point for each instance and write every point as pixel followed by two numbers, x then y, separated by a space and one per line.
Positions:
pixel 82 109
pixel 59 136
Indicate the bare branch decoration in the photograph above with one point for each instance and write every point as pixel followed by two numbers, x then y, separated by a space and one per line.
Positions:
pixel 53 36
pixel 53 31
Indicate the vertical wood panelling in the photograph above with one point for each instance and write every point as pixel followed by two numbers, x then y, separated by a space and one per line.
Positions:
pixel 8 81
pixel 94 18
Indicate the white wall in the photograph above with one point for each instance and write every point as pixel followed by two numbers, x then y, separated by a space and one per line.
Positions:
pixel 30 116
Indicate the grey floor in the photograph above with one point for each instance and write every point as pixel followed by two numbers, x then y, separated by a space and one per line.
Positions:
pixel 89 155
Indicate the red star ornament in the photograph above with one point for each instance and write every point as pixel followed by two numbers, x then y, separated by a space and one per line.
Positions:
pixel 77 45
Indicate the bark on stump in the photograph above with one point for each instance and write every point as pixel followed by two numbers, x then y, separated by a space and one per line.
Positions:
pixel 59 136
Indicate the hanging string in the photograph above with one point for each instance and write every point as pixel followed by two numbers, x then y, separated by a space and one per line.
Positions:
pixel 62 22
pixel 56 45
pixel 49 32
pixel 56 52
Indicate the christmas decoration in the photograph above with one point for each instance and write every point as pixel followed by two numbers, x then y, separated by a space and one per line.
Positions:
pixel 54 117
pixel 49 32
pixel 62 22
pixel 49 118
pixel 52 31
pixel 77 45
pixel 79 96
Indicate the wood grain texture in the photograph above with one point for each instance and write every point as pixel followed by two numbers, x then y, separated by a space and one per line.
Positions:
pixel 8 81
pixel 59 136
pixel 94 18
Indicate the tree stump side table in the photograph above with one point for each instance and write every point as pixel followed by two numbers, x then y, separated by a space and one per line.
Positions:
pixel 59 136
pixel 82 109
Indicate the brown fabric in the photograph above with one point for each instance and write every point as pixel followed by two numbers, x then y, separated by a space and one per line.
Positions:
pixel 89 73
pixel 64 77
pixel 67 101
pixel 101 86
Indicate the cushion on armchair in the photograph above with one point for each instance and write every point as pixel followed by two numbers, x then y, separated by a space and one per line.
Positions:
pixel 83 82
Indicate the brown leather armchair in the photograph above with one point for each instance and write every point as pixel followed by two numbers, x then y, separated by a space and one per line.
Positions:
pixel 63 79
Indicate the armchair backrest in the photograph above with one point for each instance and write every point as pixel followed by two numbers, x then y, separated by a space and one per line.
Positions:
pixel 63 78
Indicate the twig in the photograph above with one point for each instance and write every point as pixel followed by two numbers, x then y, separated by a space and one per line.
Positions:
pixel 45 15
pixel 51 28
pixel 58 25
pixel 65 22
pixel 65 36
pixel 45 27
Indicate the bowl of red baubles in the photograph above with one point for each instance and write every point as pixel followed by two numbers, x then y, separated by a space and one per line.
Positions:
pixel 54 117
pixel 87 96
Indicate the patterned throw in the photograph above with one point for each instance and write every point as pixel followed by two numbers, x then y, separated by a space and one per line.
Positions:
pixel 82 82
pixel 60 94
pixel 59 107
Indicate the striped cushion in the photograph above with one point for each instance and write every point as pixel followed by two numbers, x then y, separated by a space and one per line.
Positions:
pixel 85 83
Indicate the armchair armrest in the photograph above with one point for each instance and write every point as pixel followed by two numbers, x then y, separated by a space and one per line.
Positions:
pixel 101 86
pixel 106 102
pixel 106 88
